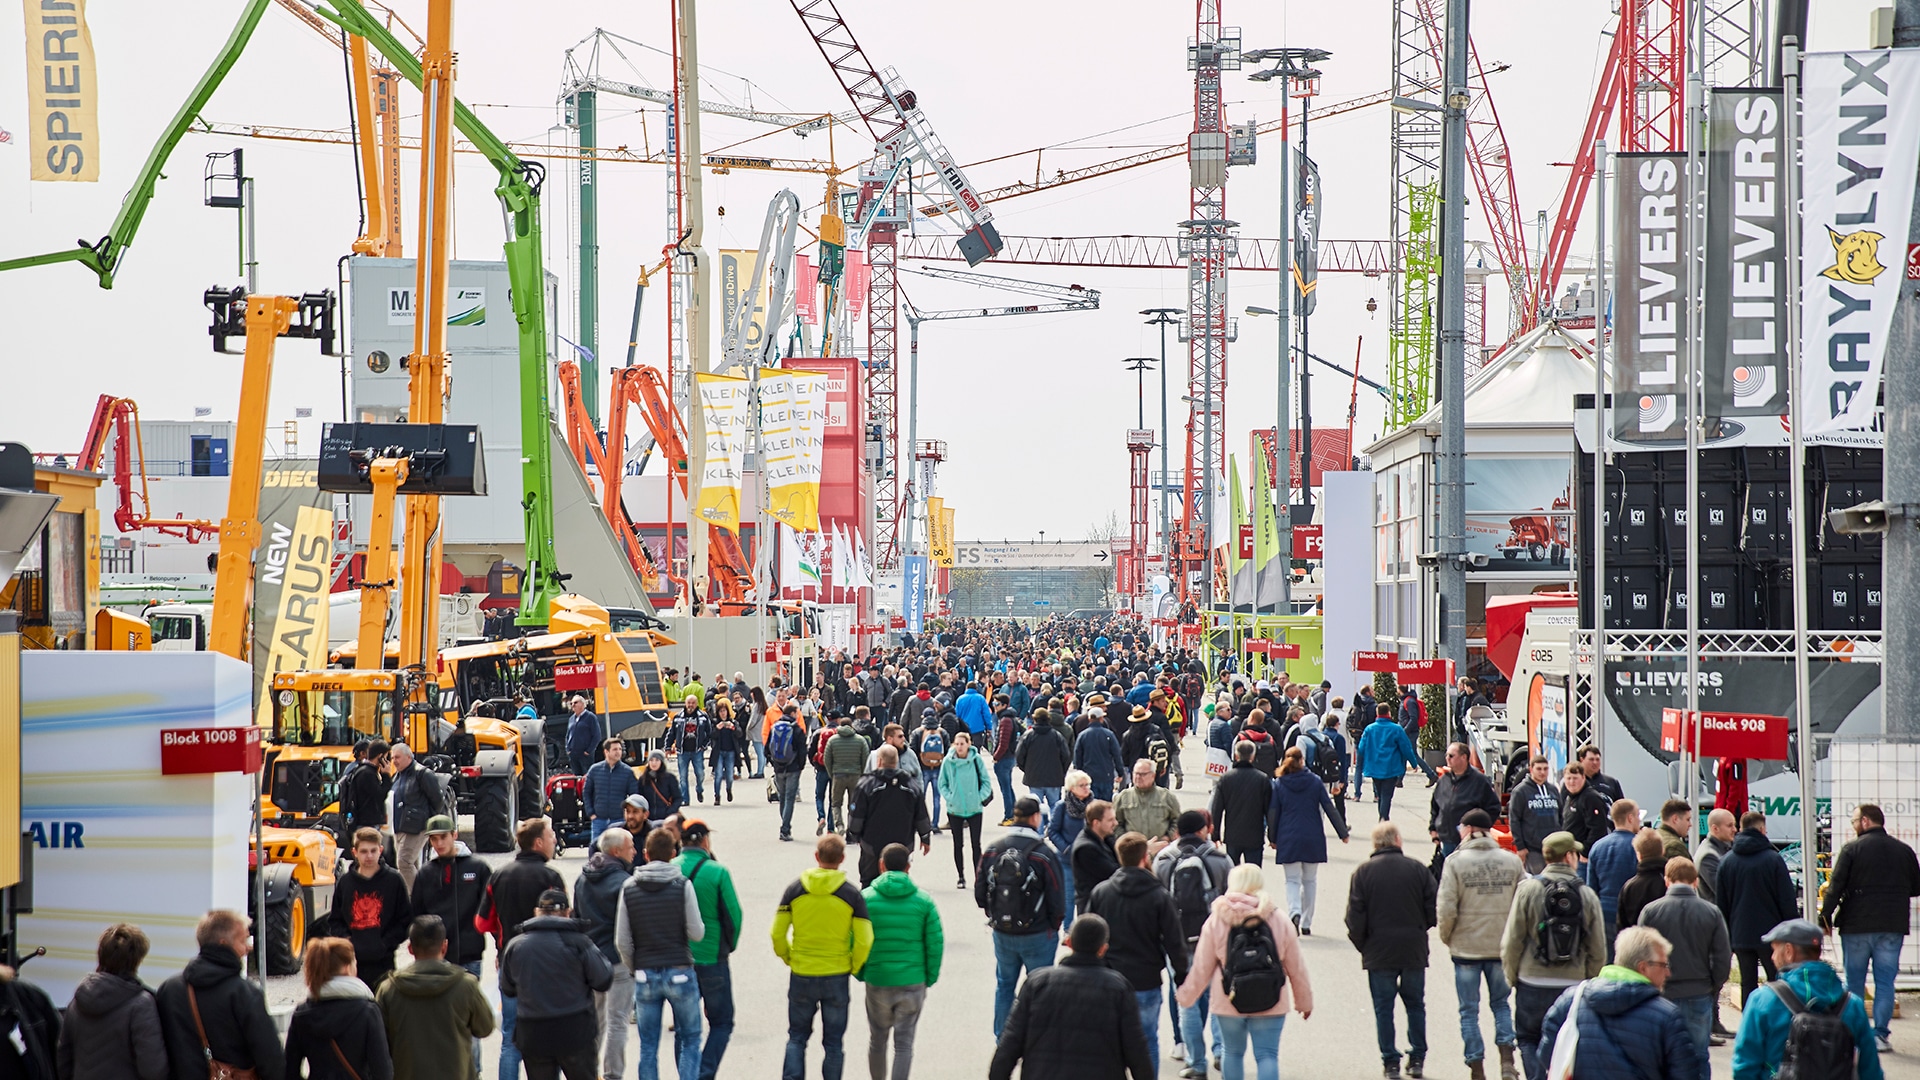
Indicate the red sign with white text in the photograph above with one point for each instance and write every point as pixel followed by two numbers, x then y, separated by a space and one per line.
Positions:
pixel 1284 650
pixel 1309 541
pixel 1245 539
pixel 1730 735
pixel 1376 661
pixel 1417 672
pixel 579 676
pixel 184 751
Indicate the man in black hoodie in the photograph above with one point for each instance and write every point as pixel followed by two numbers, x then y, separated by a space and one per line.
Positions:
pixel 1239 807
pixel 1091 857
pixel 451 885
pixel 1147 935
pixel 509 902
pixel 370 909
pixel 233 1011
pixel 553 970
pixel 886 809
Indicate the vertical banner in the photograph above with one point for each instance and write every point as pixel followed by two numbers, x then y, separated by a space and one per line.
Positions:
pixel 1856 191
pixel 946 533
pixel 723 405
pixel 63 91
pixel 913 592
pixel 738 270
pixel 810 446
pixel 779 457
pixel 854 281
pixel 842 564
pixel 1746 265
pixel 296 575
pixel 939 544
pixel 1650 289
pixel 806 287
pixel 1306 239
pixel 862 566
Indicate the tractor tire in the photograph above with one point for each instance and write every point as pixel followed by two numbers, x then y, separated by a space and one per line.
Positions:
pixel 286 934
pixel 493 819
pixel 533 789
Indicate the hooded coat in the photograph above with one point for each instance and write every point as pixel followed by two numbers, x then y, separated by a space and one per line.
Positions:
pixel 1077 1018
pixel 341 1021
pixel 1476 893
pixel 1043 756
pixel 1762 1038
pixel 1240 803
pixel 440 1008
pixel 908 941
pixel 1293 817
pixel 1627 1031
pixel 553 968
pixel 1754 889
pixel 965 785
pixel 1229 911
pixel 596 900
pixel 112 1032
pixel 1146 935
pixel 234 1011
pixel 821 926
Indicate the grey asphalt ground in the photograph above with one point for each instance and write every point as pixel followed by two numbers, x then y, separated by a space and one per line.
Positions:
pixel 955 1036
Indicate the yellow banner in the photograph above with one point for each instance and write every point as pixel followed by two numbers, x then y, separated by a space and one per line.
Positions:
pixel 939 540
pixel 793 417
pixel 738 270
pixel 946 537
pixel 723 403
pixel 63 91
pixel 303 563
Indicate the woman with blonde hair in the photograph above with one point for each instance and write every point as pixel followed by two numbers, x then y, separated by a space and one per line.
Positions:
pixel 1248 962
pixel 338 1031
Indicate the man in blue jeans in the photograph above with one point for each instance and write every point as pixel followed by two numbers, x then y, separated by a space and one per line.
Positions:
pixel 1390 905
pixel 1476 897
pixel 1875 878
pixel 1028 937
pixel 655 925
pixel 1006 732
pixel 1385 752
pixel 822 933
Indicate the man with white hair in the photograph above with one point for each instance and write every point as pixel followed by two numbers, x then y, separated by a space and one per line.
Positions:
pixel 417 799
pixel 1624 1026
pixel 596 902
pixel 583 734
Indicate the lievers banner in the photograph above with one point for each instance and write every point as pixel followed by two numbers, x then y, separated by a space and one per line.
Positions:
pixel 1746 265
pixel 1650 290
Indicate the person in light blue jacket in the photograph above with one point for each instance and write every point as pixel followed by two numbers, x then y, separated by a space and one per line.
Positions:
pixel 966 785
pixel 1385 752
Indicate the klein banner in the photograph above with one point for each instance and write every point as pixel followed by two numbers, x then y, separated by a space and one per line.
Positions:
pixel 1306 239
pixel 295 575
pixel 781 457
pixel 723 404
pixel 810 445
pixel 1650 284
pixel 63 89
pixel 1746 266
pixel 1857 190
pixel 939 543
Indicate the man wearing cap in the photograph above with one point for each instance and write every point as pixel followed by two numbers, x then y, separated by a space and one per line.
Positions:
pixel 886 809
pixel 596 902
pixel 608 784
pixel 1813 986
pixel 1031 940
pixel 1476 895
pixel 451 885
pixel 720 912
pixel 1538 982
pixel 636 817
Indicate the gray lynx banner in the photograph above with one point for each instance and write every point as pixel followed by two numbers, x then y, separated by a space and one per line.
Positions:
pixel 1858 164
pixel 1746 266
pixel 1650 292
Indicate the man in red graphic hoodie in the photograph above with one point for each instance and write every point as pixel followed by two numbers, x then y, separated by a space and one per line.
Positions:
pixel 370 909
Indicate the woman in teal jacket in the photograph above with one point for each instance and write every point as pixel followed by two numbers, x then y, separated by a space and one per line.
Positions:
pixel 966 786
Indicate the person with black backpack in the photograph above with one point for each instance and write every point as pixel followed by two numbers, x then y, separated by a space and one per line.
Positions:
pixel 1805 1025
pixel 1248 965
pixel 1390 907
pixel 1147 932
pixel 787 755
pixel 1018 885
pixel 1555 938
pixel 1195 873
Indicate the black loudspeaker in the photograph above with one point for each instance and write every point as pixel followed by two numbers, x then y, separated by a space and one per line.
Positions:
pixel 1636 597
pixel 1635 531
pixel 1727 597
pixel 443 459
pixel 1765 527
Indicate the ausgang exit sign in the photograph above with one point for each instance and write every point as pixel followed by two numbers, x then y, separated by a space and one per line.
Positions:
pixel 184 751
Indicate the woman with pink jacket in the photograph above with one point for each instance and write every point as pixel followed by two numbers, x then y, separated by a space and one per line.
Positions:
pixel 1253 989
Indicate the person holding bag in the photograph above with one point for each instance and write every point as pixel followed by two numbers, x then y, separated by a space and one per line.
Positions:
pixel 967 789
pixel 338 1032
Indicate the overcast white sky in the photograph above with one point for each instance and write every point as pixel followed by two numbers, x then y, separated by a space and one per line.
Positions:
pixel 1033 409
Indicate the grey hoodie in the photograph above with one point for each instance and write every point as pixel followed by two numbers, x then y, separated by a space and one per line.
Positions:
pixel 1476 894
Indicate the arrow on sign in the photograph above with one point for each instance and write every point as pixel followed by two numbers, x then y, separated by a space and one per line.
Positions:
pixel 1101 555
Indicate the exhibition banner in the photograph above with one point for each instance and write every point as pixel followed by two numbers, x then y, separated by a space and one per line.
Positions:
pixel 1746 257
pixel 723 404
pixel 1857 179
pixel 1650 246
pixel 63 89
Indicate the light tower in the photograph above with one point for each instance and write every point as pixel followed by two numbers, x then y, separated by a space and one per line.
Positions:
pixel 1140 443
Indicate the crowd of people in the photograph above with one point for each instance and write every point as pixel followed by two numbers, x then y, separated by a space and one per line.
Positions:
pixel 1121 914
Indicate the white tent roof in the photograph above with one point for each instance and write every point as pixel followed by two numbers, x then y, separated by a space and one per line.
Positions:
pixel 1530 384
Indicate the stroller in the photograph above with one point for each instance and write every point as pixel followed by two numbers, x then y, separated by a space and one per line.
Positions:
pixel 567 809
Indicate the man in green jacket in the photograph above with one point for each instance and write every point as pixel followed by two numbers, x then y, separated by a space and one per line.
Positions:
pixel 907 946
pixel 846 757
pixel 435 1012
pixel 820 931
pixel 719 907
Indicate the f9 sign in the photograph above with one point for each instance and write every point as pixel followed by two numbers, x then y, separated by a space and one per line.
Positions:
pixel 1309 541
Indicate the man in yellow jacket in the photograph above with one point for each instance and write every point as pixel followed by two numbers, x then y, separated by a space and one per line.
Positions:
pixel 821 932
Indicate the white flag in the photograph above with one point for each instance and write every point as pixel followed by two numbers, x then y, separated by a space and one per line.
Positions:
pixel 1859 146
pixel 842 564
pixel 862 571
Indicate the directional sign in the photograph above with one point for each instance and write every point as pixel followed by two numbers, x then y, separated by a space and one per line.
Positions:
pixel 1735 735
pixel 1375 661
pixel 1283 650
pixel 1101 555
pixel 1308 541
pixel 1415 672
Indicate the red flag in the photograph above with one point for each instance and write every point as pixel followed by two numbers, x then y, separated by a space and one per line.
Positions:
pixel 855 281
pixel 805 284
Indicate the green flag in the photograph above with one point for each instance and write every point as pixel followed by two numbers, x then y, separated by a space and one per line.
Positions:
pixel 1266 528
pixel 1237 512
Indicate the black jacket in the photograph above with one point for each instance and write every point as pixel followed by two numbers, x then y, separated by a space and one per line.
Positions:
pixel 887 809
pixel 111 1031
pixel 363 799
pixel 1875 879
pixel 662 790
pixel 596 900
pixel 453 888
pixel 26 1010
pixel 352 1024
pixel 1145 935
pixel 1586 816
pixel 511 894
pixel 239 1031
pixel 1646 886
pixel 373 913
pixel 1533 812
pixel 1092 861
pixel 1754 889
pixel 1454 795
pixel 553 969
pixel 1239 806
pixel 417 797
pixel 1390 907
pixel 1077 1018
pixel 1043 757
pixel 1042 856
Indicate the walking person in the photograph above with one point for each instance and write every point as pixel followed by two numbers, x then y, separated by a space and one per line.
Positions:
pixel 846 757
pixel 338 1032
pixel 1806 986
pixel 1064 826
pixel 1676 820
pixel 930 748
pixel 1869 899
pixel 1755 892
pixel 787 756
pixel 1477 884
pixel 1385 753
pixel 1147 936
pixel 507 905
pixel 822 932
pixel 1586 812
pixel 1075 1018
pixel 1299 843
pixel 606 787
pixel 1239 807
pixel 965 786
pixel 664 793
pixel 1390 906
pixel 1722 827
pixel 908 945
pixel 1146 807
pixel 583 730
pixel 657 922
pixel 1700 955
pixel 1555 937
pixel 1589 759
pixel 1611 863
pixel 552 970
pixel 371 909
pixel 690 735
pixel 363 791
pixel 1649 882
pixel 1006 732
pixel 1194 872
pixel 719 905
pixel 451 886
pixel 1018 886
pixel 1461 788
pixel 596 903
pixel 418 797
pixel 1624 1029
pixel 438 1005
pixel 111 1031
pixel 1096 752
pixel 1533 811
pixel 1248 965
pixel 233 1026
pixel 1044 757
pixel 886 809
